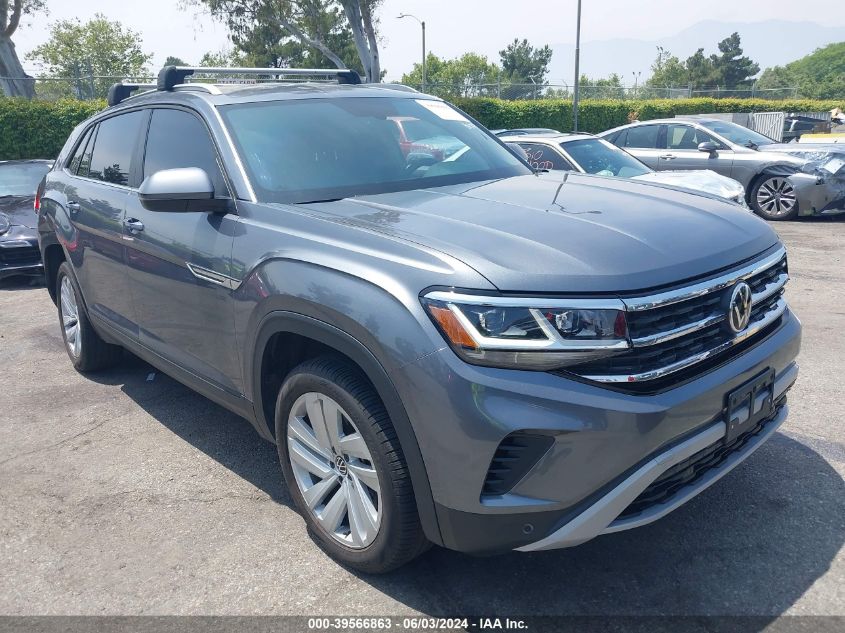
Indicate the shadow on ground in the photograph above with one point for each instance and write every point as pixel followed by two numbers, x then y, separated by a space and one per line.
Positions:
pixel 750 545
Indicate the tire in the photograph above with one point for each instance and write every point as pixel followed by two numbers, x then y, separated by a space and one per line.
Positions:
pixel 341 470
pixel 87 351
pixel 774 198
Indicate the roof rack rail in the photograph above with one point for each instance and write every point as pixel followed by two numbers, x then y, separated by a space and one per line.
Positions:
pixel 171 76
pixel 122 91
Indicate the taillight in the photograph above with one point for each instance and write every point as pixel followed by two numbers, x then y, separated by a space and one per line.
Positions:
pixel 38 193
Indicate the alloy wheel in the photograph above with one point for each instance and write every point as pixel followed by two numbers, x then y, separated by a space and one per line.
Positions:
pixel 70 318
pixel 776 197
pixel 334 470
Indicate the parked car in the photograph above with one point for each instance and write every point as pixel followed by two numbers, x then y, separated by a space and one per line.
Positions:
pixel 470 354
pixel 779 186
pixel 522 131
pixel 19 180
pixel 590 155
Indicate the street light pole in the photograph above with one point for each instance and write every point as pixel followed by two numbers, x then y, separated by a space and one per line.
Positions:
pixel 422 25
pixel 577 71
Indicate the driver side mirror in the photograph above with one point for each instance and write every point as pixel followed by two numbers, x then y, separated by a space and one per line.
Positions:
pixel 707 146
pixel 180 190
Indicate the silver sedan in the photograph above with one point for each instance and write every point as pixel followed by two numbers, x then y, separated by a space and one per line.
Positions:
pixel 781 183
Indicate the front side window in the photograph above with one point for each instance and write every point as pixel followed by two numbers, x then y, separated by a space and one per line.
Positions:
pixel 685 137
pixel 641 136
pixel 302 150
pixel 113 148
pixel 597 156
pixel 544 157
pixel 76 160
pixel 179 139
pixel 21 179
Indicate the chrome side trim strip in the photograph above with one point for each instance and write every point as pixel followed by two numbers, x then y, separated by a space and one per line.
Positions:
pixel 213 277
pixel 705 287
pixel 767 318
pixel 600 518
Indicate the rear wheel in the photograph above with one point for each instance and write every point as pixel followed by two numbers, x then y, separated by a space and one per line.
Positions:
pixel 774 198
pixel 87 351
pixel 344 467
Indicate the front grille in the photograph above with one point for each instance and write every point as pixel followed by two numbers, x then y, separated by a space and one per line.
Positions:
pixel 685 330
pixel 514 457
pixel 693 468
pixel 20 256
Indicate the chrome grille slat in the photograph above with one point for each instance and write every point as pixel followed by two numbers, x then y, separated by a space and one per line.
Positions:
pixel 682 328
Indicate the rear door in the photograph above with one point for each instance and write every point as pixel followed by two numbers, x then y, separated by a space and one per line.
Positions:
pixel 98 180
pixel 682 151
pixel 179 262
pixel 643 141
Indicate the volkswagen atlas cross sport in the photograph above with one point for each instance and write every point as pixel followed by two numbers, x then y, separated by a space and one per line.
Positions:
pixel 445 349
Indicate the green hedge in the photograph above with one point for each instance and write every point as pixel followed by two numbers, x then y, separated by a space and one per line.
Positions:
pixel 599 115
pixel 39 129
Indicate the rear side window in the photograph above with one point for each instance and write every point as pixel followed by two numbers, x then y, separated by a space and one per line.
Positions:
pixel 179 139
pixel 544 157
pixel 114 146
pixel 76 161
pixel 643 136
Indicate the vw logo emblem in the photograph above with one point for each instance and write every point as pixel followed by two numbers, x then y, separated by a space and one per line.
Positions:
pixel 341 465
pixel 739 307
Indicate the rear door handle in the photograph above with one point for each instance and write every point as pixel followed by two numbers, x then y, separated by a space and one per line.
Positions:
pixel 133 226
pixel 73 206
pixel 667 156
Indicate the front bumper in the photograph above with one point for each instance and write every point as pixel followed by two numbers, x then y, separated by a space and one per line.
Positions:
pixel 19 254
pixel 819 197
pixel 609 445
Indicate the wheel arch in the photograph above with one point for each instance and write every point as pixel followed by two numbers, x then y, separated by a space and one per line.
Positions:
pixel 327 337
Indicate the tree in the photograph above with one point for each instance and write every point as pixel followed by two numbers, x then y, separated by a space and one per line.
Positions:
pixel 819 75
pixel 731 67
pixel 667 71
pixel 175 61
pixel 465 76
pixel 257 26
pixel 14 82
pixel 607 88
pixel 521 62
pixel 92 55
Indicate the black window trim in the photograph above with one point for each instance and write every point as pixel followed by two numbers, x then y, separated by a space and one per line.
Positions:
pixel 217 154
pixel 133 154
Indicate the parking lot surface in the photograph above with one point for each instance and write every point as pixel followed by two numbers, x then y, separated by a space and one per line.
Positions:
pixel 126 493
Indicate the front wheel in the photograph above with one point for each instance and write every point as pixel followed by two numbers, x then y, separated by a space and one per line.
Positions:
pixel 344 467
pixel 774 198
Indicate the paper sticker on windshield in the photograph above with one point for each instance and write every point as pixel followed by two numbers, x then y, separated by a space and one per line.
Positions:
pixel 442 110
pixel 834 165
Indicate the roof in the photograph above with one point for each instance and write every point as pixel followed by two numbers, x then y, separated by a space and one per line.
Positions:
pixel 558 137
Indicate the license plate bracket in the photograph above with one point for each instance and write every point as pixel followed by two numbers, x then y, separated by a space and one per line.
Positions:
pixel 750 403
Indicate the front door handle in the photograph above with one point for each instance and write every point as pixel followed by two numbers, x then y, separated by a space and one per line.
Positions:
pixel 133 226
pixel 73 207
pixel 667 156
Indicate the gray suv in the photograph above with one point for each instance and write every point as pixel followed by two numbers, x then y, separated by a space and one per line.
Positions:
pixel 445 349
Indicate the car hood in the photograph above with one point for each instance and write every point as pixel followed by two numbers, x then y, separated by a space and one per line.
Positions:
pixel 20 210
pixel 582 234
pixel 822 157
pixel 697 180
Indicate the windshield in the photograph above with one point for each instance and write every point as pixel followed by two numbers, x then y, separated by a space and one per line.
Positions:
pixel 737 133
pixel 305 150
pixel 596 156
pixel 21 179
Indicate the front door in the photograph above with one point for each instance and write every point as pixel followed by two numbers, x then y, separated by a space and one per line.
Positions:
pixel 179 262
pixel 682 153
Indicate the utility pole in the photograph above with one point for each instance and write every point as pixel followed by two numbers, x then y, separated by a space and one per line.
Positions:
pixel 577 70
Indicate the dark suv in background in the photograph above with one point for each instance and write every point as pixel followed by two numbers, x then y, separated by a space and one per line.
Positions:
pixel 455 351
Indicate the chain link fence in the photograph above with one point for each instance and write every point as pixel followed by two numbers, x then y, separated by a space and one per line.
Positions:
pixel 89 86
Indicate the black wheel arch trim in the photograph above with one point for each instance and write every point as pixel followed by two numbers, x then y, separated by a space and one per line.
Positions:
pixel 277 322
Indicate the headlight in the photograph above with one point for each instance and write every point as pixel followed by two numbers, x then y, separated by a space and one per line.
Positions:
pixel 537 334
pixel 5 223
